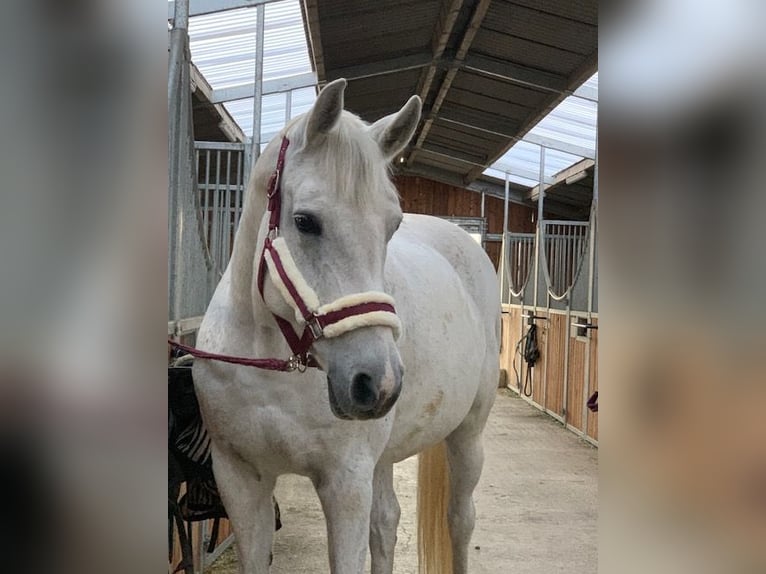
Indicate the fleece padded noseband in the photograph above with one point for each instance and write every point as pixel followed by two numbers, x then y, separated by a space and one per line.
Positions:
pixel 368 309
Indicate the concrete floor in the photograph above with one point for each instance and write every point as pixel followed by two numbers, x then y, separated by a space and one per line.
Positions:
pixel 536 505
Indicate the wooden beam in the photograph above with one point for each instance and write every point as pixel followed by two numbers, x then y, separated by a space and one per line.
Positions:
pixel 480 11
pixel 561 177
pixel 475 159
pixel 442 33
pixel 480 121
pixel 380 67
pixel 310 12
pixel 515 73
pixel 228 126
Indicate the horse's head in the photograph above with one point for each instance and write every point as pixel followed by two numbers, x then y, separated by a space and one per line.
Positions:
pixel 339 209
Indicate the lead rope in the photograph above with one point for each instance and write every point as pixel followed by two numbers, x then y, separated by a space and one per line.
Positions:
pixel 530 356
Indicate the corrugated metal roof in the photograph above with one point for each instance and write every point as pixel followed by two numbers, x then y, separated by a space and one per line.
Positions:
pixel 573 122
pixel 223 49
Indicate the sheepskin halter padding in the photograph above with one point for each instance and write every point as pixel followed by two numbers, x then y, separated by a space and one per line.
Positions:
pixel 368 309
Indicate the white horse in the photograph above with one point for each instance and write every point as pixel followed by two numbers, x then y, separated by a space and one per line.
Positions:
pixel 342 232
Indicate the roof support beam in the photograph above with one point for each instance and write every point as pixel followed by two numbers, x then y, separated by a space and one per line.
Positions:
pixel 269 87
pixel 480 121
pixel 498 191
pixel 472 158
pixel 310 13
pixel 497 128
pixel 516 73
pixel 227 124
pixel 445 24
pixel 380 68
pixel 201 7
pixel 480 11
pixel 561 177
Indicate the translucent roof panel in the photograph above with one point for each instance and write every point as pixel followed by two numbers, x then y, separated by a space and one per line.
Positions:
pixel 572 125
pixel 522 162
pixel 223 48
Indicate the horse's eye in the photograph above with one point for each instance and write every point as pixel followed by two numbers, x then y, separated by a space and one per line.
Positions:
pixel 307 224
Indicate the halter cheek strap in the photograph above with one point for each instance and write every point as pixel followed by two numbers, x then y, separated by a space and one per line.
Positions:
pixel 371 308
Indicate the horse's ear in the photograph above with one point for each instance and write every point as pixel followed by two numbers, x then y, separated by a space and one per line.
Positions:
pixel 394 132
pixel 326 111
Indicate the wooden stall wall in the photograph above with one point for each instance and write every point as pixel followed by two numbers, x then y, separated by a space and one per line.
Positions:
pixel 558 381
pixel 421 195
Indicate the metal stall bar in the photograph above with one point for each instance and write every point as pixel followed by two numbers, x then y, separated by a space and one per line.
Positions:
pixel 216 231
pixel 188 261
pixel 566 241
pixel 519 258
pixel 240 191
pixel 483 241
pixel 288 106
pixel 221 194
pixel 227 216
pixel 565 393
pixel 539 252
pixel 209 214
pixel 591 286
pixel 179 42
pixel 253 150
pixel 503 247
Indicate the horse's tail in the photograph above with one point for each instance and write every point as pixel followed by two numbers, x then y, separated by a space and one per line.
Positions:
pixel 434 544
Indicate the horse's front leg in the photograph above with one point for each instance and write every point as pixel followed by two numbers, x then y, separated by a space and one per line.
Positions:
pixel 384 520
pixel 346 497
pixel 247 496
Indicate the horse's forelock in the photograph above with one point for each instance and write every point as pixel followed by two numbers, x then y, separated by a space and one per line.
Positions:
pixel 351 160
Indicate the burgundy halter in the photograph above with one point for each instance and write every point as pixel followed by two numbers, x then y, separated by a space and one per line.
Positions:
pixel 329 320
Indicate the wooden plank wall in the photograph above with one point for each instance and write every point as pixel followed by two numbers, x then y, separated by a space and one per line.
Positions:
pixel 421 195
pixel 548 375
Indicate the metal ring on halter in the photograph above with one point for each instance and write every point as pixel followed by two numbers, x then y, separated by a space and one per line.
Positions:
pixel 297 363
pixel 293 363
pixel 273 233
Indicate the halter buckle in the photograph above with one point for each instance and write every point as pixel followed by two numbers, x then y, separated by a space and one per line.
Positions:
pixel 316 329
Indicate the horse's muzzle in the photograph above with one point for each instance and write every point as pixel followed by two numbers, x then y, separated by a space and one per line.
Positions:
pixel 367 392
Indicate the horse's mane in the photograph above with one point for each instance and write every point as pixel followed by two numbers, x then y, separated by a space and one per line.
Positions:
pixel 350 159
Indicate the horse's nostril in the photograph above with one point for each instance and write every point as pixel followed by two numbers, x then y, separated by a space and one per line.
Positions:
pixel 363 391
